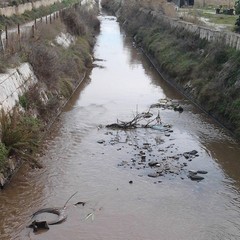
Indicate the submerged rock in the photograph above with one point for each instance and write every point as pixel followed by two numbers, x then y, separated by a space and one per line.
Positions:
pixel 202 172
pixel 153 163
pixel 153 175
pixel 195 177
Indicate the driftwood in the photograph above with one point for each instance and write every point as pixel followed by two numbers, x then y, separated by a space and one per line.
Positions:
pixel 135 122
pixel 146 119
pixel 39 225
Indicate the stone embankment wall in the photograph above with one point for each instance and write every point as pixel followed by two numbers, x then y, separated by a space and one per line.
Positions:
pixel 15 83
pixel 228 38
pixel 215 3
pixel 20 9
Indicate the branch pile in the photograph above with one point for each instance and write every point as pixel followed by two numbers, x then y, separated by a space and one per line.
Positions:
pixel 141 120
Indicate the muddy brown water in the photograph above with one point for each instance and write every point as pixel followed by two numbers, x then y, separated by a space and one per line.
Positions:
pixel 167 207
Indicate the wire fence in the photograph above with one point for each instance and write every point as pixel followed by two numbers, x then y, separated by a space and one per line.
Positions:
pixel 13 38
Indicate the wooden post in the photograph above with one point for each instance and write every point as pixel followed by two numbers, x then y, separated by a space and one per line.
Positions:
pixel 19 36
pixel 60 15
pixel 35 23
pixel 6 35
pixel 6 32
pixel 46 20
pixel 50 18
pixel 41 19
pixel 33 31
pixel 1 42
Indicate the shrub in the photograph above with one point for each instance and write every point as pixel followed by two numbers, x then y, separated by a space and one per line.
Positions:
pixel 237 7
pixel 74 23
pixel 19 132
pixel 80 21
pixel 237 25
pixel 3 155
pixel 23 101
pixel 44 59
pixel 66 88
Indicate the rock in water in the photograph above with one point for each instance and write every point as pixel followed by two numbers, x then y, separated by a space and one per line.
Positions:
pixel 195 177
pixel 202 172
pixel 153 175
pixel 153 163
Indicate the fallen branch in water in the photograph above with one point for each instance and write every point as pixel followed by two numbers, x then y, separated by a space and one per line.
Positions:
pixel 136 122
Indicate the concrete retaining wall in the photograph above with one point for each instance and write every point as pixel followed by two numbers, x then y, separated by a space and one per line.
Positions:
pixel 229 38
pixel 14 83
pixel 20 9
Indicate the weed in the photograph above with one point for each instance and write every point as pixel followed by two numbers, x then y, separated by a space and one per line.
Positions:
pixel 19 132
pixel 3 156
pixel 23 101
pixel 66 88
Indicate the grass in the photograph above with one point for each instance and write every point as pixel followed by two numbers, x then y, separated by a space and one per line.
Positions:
pixel 19 132
pixel 220 18
pixel 197 15
pixel 35 13
pixel 3 156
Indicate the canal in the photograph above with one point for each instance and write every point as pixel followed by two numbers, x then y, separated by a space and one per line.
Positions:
pixel 109 169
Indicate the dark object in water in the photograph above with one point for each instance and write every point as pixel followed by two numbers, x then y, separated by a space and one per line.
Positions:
pixel 195 177
pixel 80 203
pixel 178 109
pixel 39 225
pixel 60 212
pixel 202 172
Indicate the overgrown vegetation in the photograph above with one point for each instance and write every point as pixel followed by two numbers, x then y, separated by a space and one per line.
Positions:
pixel 19 131
pixel 35 13
pixel 206 72
pixel 237 7
pixel 59 70
pixel 19 136
pixel 237 25
pixel 9 60
pixel 3 156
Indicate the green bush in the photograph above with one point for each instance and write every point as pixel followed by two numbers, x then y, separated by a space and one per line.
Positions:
pixel 237 7
pixel 237 25
pixel 3 156
pixel 23 101
pixel 19 131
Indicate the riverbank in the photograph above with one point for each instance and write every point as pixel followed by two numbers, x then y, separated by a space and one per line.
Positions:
pixel 58 57
pixel 206 72
pixel 22 13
